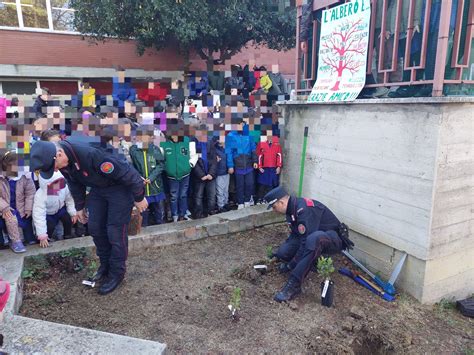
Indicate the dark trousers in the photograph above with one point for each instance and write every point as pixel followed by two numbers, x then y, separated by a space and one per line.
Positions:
pixel 245 185
pixel 179 196
pixel 52 221
pixel 262 190
pixel 301 252
pixel 26 226
pixel 110 210
pixel 156 209
pixel 24 223
pixel 209 187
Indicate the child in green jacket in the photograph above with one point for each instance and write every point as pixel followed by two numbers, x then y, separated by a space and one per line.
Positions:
pixel 180 155
pixel 148 159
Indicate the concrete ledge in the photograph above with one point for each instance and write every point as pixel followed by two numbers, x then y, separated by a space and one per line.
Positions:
pixel 26 335
pixel 408 100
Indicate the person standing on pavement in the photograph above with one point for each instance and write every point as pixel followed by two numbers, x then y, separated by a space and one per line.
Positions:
pixel 115 188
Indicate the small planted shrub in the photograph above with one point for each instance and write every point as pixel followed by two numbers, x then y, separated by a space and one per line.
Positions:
pixel 234 305
pixel 269 252
pixel 326 268
pixel 36 267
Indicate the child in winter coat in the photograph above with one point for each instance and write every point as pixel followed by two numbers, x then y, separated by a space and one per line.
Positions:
pixel 242 160
pixel 180 158
pixel 148 159
pixel 270 161
pixel 16 201
pixel 204 178
pixel 223 177
pixel 53 203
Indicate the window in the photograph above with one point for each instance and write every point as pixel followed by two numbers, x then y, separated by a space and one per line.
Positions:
pixel 62 15
pixel 35 14
pixel 8 14
pixel 19 87
pixel 53 15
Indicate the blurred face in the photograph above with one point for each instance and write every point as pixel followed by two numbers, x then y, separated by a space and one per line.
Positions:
pixel 281 205
pixel 121 76
pixel 61 160
pixel 54 139
pixel 146 140
pixel 12 169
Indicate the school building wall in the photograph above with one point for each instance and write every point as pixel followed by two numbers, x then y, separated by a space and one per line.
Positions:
pixel 400 173
pixel 28 54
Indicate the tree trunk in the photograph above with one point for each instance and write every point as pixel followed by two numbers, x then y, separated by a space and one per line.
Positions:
pixel 339 76
pixel 187 62
pixel 210 63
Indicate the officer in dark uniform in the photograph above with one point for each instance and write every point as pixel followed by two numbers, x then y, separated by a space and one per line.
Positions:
pixel 314 230
pixel 115 188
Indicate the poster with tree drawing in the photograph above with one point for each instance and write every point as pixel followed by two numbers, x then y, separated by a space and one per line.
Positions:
pixel 343 48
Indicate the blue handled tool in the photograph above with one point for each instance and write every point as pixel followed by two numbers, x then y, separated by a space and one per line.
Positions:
pixel 360 280
pixel 387 287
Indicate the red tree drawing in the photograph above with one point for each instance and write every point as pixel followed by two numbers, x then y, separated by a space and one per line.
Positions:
pixel 344 45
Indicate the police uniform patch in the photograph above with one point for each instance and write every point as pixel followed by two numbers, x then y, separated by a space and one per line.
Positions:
pixel 301 228
pixel 107 167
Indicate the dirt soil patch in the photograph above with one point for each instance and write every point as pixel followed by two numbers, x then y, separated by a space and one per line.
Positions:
pixel 179 295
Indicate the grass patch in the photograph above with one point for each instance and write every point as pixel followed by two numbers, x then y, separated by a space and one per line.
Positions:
pixel 72 260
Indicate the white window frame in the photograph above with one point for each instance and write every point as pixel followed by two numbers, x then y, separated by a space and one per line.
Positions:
pixel 22 27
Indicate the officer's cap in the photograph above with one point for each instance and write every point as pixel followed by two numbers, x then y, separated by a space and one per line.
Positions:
pixel 42 157
pixel 274 195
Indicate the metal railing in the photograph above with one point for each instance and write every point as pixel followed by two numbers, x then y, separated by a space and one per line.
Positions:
pixel 412 42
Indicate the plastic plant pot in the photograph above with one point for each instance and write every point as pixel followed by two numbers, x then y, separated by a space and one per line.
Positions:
pixel 327 293
pixel 261 269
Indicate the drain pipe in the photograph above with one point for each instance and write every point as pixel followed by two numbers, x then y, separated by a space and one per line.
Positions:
pixel 303 158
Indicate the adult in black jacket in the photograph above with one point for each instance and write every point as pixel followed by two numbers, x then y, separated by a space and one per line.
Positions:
pixel 314 230
pixel 115 188
pixel 205 174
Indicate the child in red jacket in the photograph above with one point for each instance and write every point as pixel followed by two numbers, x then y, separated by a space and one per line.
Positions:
pixel 270 161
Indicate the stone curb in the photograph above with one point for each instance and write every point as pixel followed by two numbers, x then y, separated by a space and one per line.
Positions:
pixel 27 335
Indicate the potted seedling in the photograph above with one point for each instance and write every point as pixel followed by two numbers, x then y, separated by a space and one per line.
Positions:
pixel 269 251
pixel 326 268
pixel 234 305
pixel 262 267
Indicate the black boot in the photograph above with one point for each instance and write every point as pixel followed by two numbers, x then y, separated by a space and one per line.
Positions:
pixel 289 291
pixel 100 274
pixel 111 284
pixel 283 268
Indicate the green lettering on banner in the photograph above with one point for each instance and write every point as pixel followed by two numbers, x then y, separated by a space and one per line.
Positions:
pixel 325 16
pixel 333 17
pixel 356 7
pixel 349 10
pixel 363 6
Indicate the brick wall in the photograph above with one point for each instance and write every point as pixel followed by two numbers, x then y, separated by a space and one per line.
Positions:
pixel 52 49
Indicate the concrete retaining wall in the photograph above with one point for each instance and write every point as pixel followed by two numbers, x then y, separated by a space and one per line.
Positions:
pixel 400 174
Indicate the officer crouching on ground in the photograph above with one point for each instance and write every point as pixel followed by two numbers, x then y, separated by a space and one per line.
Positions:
pixel 314 230
pixel 115 188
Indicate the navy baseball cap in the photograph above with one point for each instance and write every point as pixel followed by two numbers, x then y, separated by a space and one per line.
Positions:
pixel 274 195
pixel 42 158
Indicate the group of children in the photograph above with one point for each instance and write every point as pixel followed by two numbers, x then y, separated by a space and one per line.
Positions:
pixel 227 158
pixel 184 177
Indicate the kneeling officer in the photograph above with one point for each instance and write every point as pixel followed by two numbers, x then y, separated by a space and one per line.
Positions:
pixel 314 230
pixel 115 188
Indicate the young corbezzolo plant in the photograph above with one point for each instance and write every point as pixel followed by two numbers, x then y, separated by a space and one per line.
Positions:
pixel 234 305
pixel 325 267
